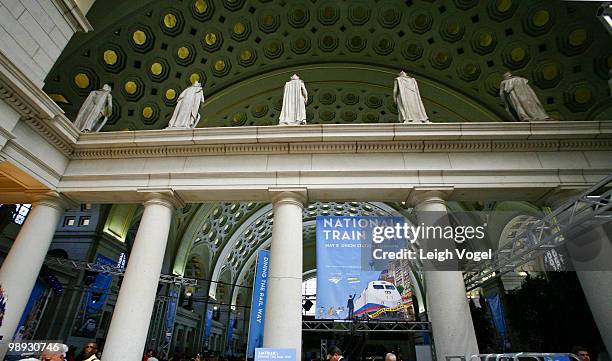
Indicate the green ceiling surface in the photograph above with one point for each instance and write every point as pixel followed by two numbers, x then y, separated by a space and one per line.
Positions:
pixel 347 52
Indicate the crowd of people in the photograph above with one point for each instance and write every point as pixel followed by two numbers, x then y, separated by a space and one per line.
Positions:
pixel 90 352
pixel 64 353
pixel 150 355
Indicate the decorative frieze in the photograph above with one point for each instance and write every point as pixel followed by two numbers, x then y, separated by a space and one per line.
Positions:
pixel 457 146
pixel 437 146
pixel 524 145
pixel 44 130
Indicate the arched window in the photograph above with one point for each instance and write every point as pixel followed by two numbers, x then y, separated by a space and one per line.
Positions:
pixel 21 213
pixel 18 212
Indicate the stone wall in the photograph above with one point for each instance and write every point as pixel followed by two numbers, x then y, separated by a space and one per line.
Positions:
pixel 33 33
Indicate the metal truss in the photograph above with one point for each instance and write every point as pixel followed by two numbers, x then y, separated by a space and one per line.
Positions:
pixel 591 208
pixel 365 326
pixel 162 326
pixel 117 271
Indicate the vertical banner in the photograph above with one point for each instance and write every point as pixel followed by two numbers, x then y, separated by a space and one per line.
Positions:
pixel 90 314
pixel 497 312
pixel 207 328
pixel 27 318
pixel 351 284
pixel 258 303
pixel 173 298
pixel 230 335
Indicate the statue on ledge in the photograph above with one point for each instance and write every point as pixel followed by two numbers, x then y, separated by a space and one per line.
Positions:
pixel 187 112
pixel 520 100
pixel 294 103
pixel 410 108
pixel 95 110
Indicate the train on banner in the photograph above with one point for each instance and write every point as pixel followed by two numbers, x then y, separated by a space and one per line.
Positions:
pixel 351 284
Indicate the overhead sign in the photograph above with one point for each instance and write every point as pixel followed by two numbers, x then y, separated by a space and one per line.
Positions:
pixel 258 303
pixel 275 354
pixel 350 283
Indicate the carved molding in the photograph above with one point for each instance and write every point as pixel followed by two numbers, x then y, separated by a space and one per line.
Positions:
pixel 35 107
pixel 438 146
pixel 324 147
pixel 14 100
pixel 48 133
pixel 73 15
pixel 22 94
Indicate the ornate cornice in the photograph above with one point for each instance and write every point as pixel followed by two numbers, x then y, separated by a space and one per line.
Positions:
pixel 22 94
pixel 73 15
pixel 42 128
pixel 35 107
pixel 555 136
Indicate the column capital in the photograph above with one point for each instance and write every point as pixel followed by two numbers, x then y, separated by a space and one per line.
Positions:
pixel 420 196
pixel 296 196
pixel 50 199
pixel 167 198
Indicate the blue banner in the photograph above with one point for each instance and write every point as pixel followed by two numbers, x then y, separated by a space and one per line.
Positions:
pixel 258 303
pixel 230 334
pixel 497 313
pixel 35 299
pixel 207 327
pixel 91 314
pixel 173 298
pixel 351 284
pixel 275 354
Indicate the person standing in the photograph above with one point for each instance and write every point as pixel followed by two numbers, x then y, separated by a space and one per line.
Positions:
pixel 390 357
pixel 581 352
pixel 88 353
pixel 334 354
pixel 152 355
pixel 350 304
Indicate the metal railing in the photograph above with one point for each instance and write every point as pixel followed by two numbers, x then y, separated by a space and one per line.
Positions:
pixel 538 356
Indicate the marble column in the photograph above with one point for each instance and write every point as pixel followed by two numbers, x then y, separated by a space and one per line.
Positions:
pixel 593 271
pixel 130 323
pixel 447 303
pixel 25 258
pixel 283 324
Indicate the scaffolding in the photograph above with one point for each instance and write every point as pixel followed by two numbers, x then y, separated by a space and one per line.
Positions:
pixel 590 209
pixel 116 271
pixel 365 326
pixel 164 313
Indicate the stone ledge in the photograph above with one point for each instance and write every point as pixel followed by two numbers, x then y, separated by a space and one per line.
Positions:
pixel 35 107
pixel 427 146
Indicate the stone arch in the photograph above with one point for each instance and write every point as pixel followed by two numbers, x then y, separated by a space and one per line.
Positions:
pixel 151 51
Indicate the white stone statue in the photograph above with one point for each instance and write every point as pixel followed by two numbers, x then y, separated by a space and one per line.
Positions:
pixel 410 108
pixel 95 110
pixel 294 102
pixel 187 111
pixel 520 100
